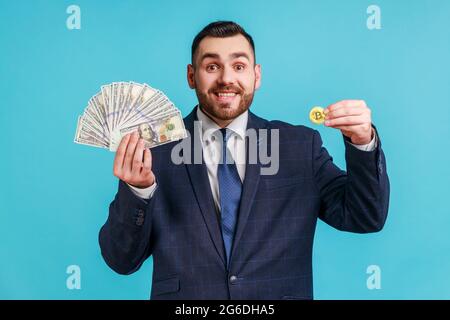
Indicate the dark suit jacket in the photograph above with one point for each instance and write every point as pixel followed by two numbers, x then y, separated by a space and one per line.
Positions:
pixel 272 250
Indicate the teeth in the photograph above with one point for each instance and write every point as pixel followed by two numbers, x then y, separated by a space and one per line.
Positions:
pixel 231 94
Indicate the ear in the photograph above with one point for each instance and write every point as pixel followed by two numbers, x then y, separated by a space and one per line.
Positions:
pixel 257 76
pixel 190 76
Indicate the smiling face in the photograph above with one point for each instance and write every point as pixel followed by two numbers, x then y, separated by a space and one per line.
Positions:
pixel 225 77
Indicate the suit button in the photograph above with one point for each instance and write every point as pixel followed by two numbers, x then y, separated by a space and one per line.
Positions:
pixel 139 221
pixel 233 279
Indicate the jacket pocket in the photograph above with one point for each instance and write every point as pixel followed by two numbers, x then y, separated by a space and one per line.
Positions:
pixel 168 285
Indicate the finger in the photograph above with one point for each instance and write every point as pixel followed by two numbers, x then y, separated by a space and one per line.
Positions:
pixel 344 112
pixel 344 103
pixel 131 147
pixel 346 121
pixel 120 153
pixel 147 160
pixel 348 129
pixel 138 155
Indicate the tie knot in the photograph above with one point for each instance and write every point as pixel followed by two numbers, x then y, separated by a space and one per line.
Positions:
pixel 226 133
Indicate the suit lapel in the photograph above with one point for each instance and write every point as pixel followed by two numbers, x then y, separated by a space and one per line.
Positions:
pixel 198 175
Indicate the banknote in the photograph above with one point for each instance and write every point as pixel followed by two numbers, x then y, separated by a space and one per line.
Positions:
pixel 154 132
pixel 123 107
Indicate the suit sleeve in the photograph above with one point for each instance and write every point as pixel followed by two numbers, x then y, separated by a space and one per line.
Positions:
pixel 125 238
pixel 356 200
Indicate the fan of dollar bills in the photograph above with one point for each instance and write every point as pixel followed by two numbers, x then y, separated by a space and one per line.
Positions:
pixel 123 107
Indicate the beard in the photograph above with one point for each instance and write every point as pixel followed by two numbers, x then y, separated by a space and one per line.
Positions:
pixel 223 111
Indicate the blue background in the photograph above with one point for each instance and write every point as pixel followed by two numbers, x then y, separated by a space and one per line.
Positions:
pixel 54 194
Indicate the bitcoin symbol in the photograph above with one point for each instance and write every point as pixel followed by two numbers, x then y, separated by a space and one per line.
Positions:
pixel 316 115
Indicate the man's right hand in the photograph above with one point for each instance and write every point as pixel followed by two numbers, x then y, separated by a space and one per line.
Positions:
pixel 133 162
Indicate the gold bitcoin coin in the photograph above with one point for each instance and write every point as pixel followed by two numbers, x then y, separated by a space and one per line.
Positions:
pixel 316 115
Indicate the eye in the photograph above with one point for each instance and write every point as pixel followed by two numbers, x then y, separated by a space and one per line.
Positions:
pixel 212 67
pixel 239 67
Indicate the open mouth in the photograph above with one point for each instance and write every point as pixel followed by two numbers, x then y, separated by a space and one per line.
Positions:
pixel 225 96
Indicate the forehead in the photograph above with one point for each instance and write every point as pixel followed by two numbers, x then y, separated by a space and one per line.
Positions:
pixel 225 47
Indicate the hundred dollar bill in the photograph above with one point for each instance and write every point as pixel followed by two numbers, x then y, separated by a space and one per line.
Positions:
pixel 155 132
pixel 140 94
pixel 86 136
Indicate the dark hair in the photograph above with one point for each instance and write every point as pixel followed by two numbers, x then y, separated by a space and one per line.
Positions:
pixel 220 29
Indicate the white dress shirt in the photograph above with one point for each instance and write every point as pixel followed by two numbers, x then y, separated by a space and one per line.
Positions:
pixel 211 144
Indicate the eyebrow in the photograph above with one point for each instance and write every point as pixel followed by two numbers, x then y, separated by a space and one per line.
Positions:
pixel 234 55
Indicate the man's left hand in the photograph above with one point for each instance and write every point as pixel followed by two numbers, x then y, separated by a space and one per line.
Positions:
pixel 353 118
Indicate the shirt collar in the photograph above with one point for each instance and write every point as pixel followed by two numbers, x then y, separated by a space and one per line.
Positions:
pixel 209 127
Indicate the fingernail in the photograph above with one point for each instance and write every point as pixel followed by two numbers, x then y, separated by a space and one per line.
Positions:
pixel 327 123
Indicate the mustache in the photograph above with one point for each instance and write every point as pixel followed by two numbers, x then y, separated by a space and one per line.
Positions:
pixel 232 88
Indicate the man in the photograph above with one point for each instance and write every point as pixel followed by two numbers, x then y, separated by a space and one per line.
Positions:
pixel 223 230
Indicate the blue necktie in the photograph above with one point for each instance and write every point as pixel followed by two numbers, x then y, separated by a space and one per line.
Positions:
pixel 230 188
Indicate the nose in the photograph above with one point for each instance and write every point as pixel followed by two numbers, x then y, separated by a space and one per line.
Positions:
pixel 226 76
